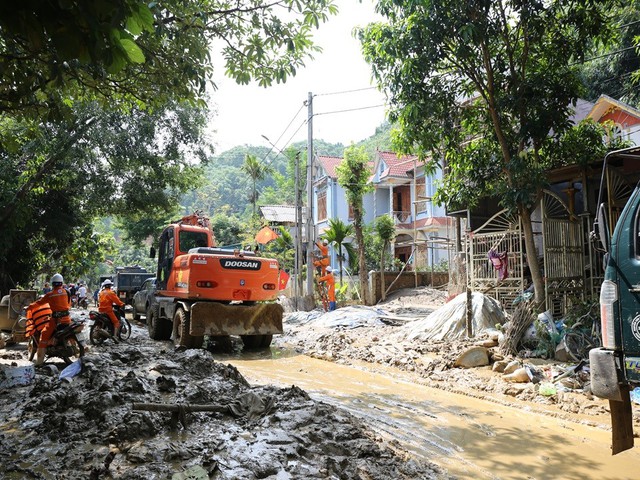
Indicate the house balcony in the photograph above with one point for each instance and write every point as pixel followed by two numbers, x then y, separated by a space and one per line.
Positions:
pixel 400 216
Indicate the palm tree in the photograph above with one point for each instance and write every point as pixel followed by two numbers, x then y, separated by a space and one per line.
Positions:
pixel 257 171
pixel 386 230
pixel 336 235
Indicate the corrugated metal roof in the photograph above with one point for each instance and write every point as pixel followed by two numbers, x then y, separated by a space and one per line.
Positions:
pixel 280 213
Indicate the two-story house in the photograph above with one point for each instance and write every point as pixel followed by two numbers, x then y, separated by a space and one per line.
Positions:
pixel 402 190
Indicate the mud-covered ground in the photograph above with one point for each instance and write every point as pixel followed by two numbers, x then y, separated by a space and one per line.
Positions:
pixel 86 428
pixel 383 343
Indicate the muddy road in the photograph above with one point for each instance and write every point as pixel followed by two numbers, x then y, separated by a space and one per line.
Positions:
pixel 469 437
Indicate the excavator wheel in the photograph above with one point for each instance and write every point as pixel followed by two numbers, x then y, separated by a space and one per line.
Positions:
pixel 159 329
pixel 181 335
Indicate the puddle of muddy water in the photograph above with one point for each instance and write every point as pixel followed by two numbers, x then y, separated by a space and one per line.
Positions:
pixel 468 437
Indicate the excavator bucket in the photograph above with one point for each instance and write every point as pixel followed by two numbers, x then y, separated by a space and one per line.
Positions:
pixel 212 318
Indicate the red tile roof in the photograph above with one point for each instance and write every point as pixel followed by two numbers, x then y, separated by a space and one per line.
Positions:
pixel 329 164
pixel 396 167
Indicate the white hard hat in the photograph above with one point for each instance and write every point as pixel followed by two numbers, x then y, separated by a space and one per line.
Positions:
pixel 329 269
pixel 107 283
pixel 325 242
pixel 57 278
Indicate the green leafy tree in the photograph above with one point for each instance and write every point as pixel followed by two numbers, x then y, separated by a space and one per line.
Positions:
pixel 483 84
pixel 146 52
pixel 257 171
pixel 53 183
pixel 613 67
pixel 337 235
pixel 386 229
pixel 353 175
pixel 283 249
pixel 227 228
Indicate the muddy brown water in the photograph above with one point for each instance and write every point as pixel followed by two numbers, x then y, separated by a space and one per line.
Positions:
pixel 470 438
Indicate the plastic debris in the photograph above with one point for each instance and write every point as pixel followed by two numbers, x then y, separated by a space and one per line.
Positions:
pixel 547 389
pixel 635 395
pixel 71 370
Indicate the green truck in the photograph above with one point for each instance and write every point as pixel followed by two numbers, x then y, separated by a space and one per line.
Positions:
pixel 615 367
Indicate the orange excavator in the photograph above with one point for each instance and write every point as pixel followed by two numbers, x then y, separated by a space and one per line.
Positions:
pixel 203 290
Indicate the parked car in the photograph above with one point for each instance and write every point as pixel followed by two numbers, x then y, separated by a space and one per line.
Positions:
pixel 141 298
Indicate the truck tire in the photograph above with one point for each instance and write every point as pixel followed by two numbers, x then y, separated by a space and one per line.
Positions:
pixel 159 328
pixel 255 342
pixel 181 335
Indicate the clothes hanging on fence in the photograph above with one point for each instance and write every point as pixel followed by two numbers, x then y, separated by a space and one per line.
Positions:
pixel 500 263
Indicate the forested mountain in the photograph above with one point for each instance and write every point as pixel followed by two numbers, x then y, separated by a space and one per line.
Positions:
pixel 227 189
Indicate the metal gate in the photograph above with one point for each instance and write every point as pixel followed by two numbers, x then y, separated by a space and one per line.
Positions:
pixel 502 233
pixel 564 255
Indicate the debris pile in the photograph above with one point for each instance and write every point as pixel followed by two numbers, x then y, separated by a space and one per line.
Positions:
pixel 85 426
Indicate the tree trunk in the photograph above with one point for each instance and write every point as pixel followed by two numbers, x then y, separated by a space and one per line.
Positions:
pixel 382 285
pixel 532 256
pixel 362 265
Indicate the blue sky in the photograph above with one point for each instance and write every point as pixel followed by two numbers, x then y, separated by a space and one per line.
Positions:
pixel 245 113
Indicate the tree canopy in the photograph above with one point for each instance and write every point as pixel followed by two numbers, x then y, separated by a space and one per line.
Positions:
pixel 102 109
pixel 146 53
pixel 483 84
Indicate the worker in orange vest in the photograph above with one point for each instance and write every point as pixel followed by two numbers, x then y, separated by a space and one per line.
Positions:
pixel 330 281
pixel 323 261
pixel 106 300
pixel 59 300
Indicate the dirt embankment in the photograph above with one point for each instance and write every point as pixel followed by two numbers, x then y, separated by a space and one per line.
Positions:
pixel 87 429
pixel 379 341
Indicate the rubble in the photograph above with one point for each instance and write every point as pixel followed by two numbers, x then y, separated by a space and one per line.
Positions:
pixel 86 426
pixel 437 362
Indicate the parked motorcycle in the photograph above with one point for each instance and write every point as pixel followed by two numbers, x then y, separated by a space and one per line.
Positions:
pixel 102 328
pixel 64 342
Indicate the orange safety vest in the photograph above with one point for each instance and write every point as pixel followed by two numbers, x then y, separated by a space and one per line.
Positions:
pixel 331 286
pixel 37 319
pixel 106 300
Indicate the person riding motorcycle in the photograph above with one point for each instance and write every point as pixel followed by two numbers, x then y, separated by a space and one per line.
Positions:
pixel 106 300
pixel 59 300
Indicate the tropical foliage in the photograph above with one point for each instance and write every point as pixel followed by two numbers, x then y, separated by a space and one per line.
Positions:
pixel 483 84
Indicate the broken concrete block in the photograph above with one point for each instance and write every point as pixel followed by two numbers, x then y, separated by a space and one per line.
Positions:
pixel 499 366
pixel 518 376
pixel 512 366
pixel 474 357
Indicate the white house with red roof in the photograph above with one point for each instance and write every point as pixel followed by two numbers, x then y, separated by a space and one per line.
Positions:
pixel 401 189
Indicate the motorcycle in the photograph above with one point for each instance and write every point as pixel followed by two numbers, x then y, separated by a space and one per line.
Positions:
pixel 64 343
pixel 83 303
pixel 102 328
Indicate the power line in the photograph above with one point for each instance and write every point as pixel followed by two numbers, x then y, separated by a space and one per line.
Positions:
pixel 348 110
pixel 603 55
pixel 344 91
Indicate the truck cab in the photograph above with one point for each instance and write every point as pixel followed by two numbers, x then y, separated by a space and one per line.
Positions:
pixel 615 367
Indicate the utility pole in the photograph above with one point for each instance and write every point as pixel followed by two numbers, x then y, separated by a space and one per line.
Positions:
pixel 298 250
pixel 310 224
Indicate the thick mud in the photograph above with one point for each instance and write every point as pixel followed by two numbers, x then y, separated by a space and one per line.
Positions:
pixel 468 437
pixel 87 428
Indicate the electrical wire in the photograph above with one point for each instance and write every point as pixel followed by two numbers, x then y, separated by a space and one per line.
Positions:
pixel 347 110
pixel 344 91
